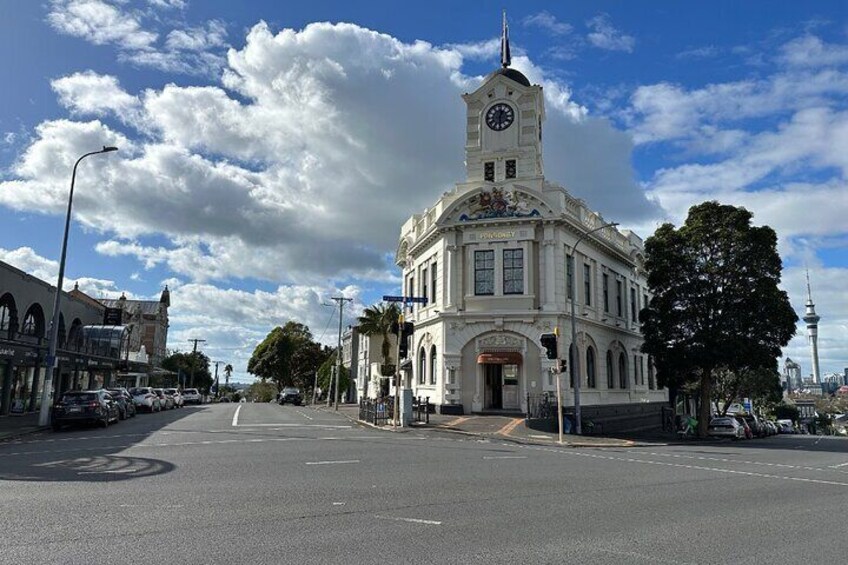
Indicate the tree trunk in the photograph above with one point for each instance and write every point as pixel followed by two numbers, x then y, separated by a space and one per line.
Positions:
pixel 704 408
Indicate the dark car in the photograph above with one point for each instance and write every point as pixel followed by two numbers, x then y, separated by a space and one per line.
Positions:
pixel 291 395
pixel 122 397
pixel 86 407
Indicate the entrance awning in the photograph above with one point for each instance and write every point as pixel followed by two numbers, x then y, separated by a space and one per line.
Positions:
pixel 500 358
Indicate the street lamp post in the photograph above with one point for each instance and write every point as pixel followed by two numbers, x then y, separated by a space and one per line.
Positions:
pixel 578 428
pixel 44 413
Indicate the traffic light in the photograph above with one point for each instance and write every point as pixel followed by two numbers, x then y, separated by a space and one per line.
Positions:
pixel 406 329
pixel 549 342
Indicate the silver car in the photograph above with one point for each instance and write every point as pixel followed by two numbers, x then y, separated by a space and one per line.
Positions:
pixel 726 427
pixel 145 399
pixel 175 394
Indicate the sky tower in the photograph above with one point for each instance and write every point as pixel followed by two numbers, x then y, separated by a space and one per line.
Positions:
pixel 812 321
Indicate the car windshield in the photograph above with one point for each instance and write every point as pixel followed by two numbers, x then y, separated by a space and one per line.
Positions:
pixel 190 391
pixel 137 391
pixel 171 390
pixel 291 391
pixel 79 397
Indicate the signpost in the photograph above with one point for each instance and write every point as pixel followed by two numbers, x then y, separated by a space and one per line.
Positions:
pixel 406 299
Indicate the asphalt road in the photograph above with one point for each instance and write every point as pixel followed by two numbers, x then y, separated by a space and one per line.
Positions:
pixel 261 483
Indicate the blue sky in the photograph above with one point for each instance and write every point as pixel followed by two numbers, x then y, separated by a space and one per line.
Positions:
pixel 270 151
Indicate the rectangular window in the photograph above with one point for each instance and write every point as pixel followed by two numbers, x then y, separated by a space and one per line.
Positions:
pixel 644 301
pixel 489 171
pixel 424 283
pixel 410 287
pixel 587 284
pixel 433 283
pixel 510 168
pixel 606 292
pixel 513 271
pixel 633 304
pixel 569 276
pixel 619 311
pixel 636 369
pixel 484 273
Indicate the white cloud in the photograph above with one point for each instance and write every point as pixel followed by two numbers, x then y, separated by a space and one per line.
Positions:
pixel 89 93
pixel 547 21
pixel 605 36
pixel 339 134
pixel 192 50
pixel 811 51
pixel 27 260
pixel 99 23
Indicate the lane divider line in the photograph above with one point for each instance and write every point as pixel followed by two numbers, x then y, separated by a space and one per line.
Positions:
pixel 413 520
pixel 333 462
pixel 236 415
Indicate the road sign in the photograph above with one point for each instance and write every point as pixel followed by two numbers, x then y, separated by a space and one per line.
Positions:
pixel 406 299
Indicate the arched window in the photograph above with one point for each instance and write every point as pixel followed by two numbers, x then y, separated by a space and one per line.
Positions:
pixel 33 322
pixel 433 365
pixel 5 318
pixel 610 370
pixel 622 370
pixel 422 366
pixel 590 367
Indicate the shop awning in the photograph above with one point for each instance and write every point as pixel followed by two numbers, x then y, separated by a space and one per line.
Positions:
pixel 500 358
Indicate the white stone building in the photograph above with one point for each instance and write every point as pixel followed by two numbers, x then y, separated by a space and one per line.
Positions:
pixel 491 255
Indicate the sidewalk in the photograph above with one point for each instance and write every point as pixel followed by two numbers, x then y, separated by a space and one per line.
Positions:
pixel 501 427
pixel 15 425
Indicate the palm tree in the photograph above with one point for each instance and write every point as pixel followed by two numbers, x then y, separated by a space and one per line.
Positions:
pixel 228 370
pixel 377 320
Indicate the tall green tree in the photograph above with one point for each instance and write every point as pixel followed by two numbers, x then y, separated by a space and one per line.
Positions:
pixel 760 384
pixel 377 320
pixel 326 380
pixel 228 372
pixel 715 302
pixel 287 356
pixel 179 361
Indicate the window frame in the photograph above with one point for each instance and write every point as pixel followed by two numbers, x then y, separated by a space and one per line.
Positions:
pixel 510 268
pixel 485 254
pixel 433 365
pixel 489 171
pixel 587 284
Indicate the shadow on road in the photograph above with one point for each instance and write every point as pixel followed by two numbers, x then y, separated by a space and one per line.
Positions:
pixel 88 454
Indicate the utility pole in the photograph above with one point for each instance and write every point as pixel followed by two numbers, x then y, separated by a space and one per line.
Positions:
pixel 314 388
pixel 341 301
pixel 193 353
pixel 217 387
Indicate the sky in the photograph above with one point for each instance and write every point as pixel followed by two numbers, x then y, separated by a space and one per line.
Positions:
pixel 269 152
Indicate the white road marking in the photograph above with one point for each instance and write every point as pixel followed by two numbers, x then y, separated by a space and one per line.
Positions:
pixel 506 457
pixel 413 520
pixel 682 466
pixel 304 414
pixel 740 461
pixel 539 437
pixel 345 462
pixel 338 504
pixel 837 466
pixel 235 416
pixel 292 426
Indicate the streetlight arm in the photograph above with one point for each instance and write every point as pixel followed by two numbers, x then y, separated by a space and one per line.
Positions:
pixel 44 414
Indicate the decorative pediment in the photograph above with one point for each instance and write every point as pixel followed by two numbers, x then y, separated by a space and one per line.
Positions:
pixel 500 342
pixel 498 203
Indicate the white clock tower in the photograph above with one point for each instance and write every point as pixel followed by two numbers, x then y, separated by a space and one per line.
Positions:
pixel 504 127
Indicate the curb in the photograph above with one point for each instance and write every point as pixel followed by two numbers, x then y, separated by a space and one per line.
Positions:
pixel 513 439
pixel 11 436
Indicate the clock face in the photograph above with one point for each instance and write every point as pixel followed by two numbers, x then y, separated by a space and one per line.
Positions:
pixel 500 116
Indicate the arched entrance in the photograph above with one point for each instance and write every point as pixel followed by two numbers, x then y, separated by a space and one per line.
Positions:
pixel 501 371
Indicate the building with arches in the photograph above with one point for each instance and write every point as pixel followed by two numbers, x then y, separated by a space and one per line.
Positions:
pixel 494 258
pixel 93 351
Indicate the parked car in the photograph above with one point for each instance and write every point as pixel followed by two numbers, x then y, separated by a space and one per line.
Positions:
pixel 86 406
pixel 786 427
pixel 290 394
pixel 726 427
pixel 749 433
pixel 191 396
pixel 178 398
pixel 122 397
pixel 166 401
pixel 145 399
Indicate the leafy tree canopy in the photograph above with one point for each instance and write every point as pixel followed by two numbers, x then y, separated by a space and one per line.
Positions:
pixel 180 362
pixel 287 356
pixel 715 304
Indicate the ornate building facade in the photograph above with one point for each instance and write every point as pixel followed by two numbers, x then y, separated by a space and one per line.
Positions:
pixel 494 257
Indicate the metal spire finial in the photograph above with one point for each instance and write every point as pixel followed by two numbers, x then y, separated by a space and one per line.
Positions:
pixel 506 59
pixel 809 293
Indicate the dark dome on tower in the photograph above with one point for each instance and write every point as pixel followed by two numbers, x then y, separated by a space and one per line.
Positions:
pixel 513 74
